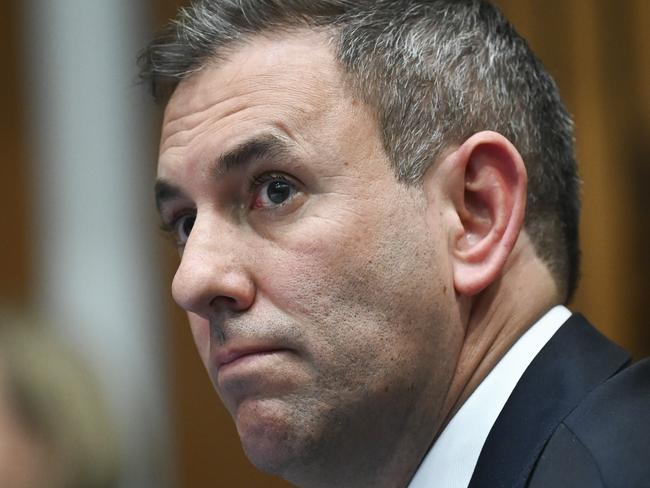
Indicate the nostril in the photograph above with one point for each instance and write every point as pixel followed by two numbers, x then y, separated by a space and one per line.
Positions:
pixel 223 302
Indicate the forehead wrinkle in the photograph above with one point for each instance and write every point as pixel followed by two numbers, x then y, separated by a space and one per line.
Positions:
pixel 197 123
pixel 214 127
pixel 188 117
pixel 287 111
pixel 297 88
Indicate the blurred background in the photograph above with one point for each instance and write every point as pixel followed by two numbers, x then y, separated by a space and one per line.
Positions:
pixel 80 247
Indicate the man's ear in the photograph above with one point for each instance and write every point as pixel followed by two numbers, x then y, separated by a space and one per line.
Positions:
pixel 485 184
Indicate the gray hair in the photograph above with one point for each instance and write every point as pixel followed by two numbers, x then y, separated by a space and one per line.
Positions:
pixel 434 71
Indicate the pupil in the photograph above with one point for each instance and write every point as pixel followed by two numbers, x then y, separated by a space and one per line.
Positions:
pixel 278 191
pixel 188 223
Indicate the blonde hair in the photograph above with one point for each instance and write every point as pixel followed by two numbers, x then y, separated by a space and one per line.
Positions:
pixel 56 399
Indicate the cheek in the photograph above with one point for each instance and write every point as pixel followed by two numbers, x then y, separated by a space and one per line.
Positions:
pixel 305 277
pixel 365 289
pixel 354 286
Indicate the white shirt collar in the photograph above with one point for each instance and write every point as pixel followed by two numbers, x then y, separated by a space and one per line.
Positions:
pixel 451 460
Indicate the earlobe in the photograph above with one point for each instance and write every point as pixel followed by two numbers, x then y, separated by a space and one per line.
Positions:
pixel 488 193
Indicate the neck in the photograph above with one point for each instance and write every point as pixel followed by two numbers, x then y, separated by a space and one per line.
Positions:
pixel 497 317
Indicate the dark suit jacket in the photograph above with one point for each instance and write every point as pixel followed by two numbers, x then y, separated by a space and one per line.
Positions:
pixel 578 418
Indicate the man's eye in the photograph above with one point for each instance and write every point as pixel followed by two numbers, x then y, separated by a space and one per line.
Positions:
pixel 183 228
pixel 274 192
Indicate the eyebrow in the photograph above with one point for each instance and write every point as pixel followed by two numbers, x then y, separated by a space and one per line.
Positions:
pixel 165 192
pixel 267 146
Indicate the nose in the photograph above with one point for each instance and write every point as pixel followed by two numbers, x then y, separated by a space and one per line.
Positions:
pixel 212 275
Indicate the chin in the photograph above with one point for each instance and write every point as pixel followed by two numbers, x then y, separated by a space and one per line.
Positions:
pixel 272 435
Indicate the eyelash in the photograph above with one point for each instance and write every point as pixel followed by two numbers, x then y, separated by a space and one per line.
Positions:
pixel 257 183
pixel 254 183
pixel 169 228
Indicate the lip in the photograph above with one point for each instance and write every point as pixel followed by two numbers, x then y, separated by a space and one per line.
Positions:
pixel 229 356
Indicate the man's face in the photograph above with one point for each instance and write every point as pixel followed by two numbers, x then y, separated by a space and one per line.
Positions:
pixel 317 289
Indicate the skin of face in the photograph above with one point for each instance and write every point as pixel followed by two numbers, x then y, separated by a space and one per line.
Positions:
pixel 337 303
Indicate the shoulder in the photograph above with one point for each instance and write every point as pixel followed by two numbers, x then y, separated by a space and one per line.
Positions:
pixel 605 441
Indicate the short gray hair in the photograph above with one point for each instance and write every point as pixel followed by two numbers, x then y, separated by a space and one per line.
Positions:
pixel 434 71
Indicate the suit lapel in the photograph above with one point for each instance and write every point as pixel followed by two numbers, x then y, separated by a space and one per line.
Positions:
pixel 571 364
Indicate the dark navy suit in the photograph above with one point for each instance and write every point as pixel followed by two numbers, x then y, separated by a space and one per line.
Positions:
pixel 578 418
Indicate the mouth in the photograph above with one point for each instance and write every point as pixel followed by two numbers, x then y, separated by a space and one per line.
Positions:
pixel 231 357
pixel 254 371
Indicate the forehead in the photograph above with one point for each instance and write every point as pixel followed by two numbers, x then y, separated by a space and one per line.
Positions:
pixel 287 86
pixel 293 71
